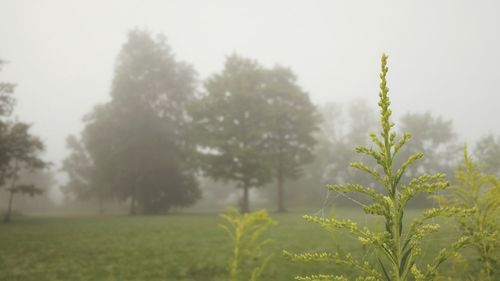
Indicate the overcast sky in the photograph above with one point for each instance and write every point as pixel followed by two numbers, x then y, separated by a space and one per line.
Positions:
pixel 444 56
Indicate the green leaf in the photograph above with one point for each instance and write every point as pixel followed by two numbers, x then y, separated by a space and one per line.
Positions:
pixel 404 260
pixel 384 270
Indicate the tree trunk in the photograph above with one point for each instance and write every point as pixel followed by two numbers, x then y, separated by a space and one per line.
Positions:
pixel 281 193
pixel 132 210
pixel 245 205
pixel 9 208
pixel 101 205
pixel 12 191
pixel 281 179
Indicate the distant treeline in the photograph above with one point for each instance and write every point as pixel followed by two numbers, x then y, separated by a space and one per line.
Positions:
pixel 164 132
pixel 166 139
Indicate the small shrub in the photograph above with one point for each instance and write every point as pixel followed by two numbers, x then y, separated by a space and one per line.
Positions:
pixel 245 231
pixel 397 247
pixel 479 192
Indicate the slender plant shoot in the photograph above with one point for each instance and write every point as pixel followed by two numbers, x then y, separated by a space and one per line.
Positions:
pixel 397 247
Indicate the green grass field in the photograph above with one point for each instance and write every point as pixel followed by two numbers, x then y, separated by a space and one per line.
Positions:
pixel 173 247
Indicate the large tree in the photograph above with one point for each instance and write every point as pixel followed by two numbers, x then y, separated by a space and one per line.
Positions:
pixel 91 163
pixel 139 141
pixel 291 119
pixel 255 124
pixel 231 126
pixel 19 149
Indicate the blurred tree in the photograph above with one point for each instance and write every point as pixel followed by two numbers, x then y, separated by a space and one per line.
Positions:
pixel 6 106
pixel 86 181
pixel 78 166
pixel 139 142
pixel 291 121
pixel 23 150
pixel 215 195
pixel 436 137
pixel 231 126
pixel 45 181
pixel 19 149
pixel 343 127
pixel 340 126
pixel 487 151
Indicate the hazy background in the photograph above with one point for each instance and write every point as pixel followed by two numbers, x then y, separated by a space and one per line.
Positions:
pixel 444 55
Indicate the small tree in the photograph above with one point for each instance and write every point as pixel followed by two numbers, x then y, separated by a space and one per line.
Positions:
pixel 478 191
pixel 19 149
pixel 24 150
pixel 397 247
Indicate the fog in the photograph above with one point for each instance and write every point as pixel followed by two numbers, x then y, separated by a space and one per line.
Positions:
pixel 249 140
pixel 443 54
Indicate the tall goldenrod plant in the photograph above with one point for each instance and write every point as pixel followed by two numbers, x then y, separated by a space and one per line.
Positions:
pixel 397 247
pixel 481 193
pixel 245 232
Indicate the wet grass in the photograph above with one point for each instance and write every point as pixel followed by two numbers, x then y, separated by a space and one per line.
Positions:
pixel 173 247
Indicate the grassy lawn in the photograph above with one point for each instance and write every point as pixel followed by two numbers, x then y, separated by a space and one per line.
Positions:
pixel 174 247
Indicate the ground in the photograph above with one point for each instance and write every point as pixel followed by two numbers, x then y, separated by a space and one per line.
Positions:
pixel 173 247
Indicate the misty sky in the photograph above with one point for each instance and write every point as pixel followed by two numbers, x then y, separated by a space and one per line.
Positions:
pixel 444 56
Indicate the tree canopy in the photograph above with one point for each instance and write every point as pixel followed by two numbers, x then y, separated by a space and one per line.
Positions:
pixel 434 135
pixel 19 149
pixel 139 142
pixel 231 128
pixel 292 120
pixel 487 150
pixel 254 124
